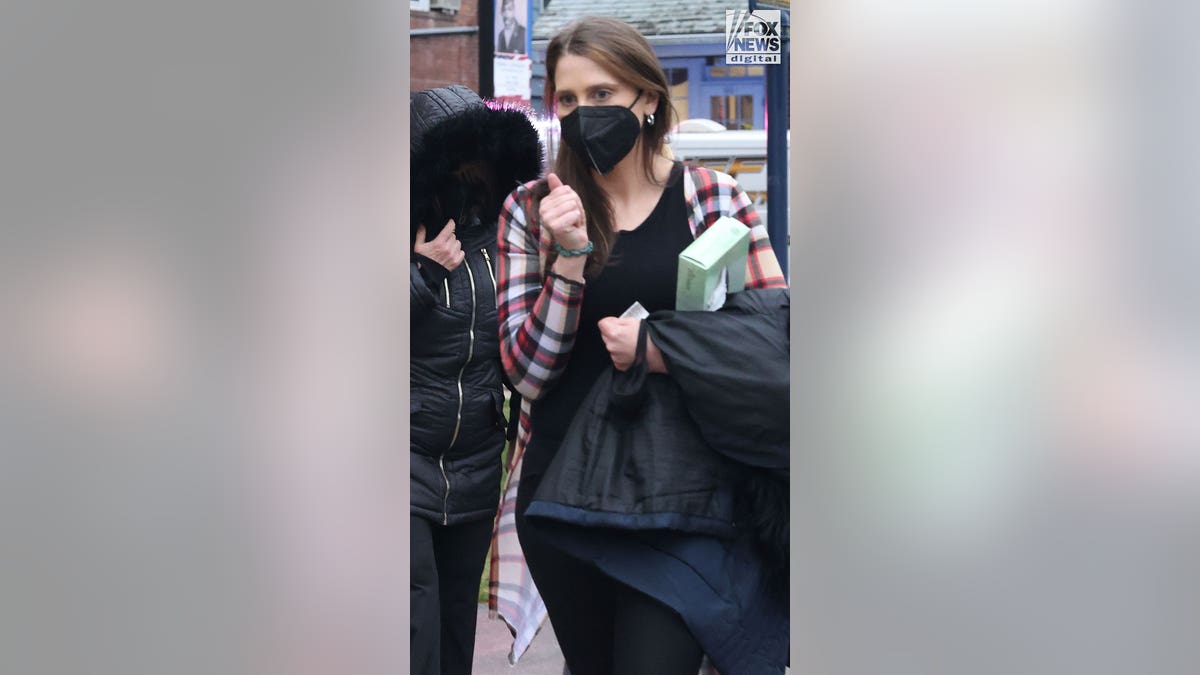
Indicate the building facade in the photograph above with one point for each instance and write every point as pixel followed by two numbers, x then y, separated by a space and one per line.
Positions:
pixel 444 43
pixel 689 39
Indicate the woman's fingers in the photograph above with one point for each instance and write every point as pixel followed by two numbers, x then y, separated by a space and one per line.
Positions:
pixel 562 192
pixel 563 221
pixel 620 339
pixel 560 212
pixel 445 249
pixel 563 227
pixel 447 232
pixel 563 217
pixel 606 326
pixel 561 202
pixel 567 204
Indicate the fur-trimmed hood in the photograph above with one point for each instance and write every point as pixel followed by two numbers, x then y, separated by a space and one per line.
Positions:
pixel 466 158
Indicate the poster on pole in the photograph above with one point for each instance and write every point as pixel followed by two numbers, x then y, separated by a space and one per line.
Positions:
pixel 511 77
pixel 512 27
pixel 512 69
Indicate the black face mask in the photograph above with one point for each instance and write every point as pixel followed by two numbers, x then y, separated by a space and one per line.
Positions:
pixel 602 134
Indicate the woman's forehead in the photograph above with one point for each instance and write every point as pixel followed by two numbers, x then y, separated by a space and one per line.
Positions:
pixel 579 72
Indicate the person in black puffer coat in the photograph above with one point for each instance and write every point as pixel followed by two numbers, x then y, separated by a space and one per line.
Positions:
pixel 466 158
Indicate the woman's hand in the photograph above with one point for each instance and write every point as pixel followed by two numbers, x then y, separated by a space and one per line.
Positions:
pixel 444 250
pixel 620 338
pixel 562 215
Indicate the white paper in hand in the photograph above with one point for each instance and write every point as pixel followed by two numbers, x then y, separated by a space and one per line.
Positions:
pixel 635 311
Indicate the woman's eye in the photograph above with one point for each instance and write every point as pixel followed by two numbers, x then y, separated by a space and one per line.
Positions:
pixel 566 100
pixel 603 95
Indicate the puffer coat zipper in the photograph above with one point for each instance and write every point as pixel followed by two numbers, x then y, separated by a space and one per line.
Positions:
pixel 458 414
pixel 487 259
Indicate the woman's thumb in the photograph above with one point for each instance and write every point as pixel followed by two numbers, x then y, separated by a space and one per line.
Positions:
pixel 553 181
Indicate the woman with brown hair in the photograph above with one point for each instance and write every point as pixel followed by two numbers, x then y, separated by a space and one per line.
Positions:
pixel 602 231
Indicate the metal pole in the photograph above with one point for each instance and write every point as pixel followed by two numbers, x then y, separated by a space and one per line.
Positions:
pixel 778 119
pixel 487 32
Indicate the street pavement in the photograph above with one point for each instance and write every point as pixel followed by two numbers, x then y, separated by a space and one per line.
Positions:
pixel 493 642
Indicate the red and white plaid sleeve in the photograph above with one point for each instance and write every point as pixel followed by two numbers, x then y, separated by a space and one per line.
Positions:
pixel 712 194
pixel 762 268
pixel 538 316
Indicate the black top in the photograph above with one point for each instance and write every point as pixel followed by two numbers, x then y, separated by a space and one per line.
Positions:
pixel 642 267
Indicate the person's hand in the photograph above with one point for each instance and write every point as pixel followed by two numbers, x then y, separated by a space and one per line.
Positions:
pixel 444 250
pixel 620 338
pixel 562 215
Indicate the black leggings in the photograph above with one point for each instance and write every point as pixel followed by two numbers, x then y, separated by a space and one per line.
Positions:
pixel 603 626
pixel 447 564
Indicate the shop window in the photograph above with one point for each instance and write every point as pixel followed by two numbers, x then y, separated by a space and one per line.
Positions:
pixel 715 67
pixel 733 112
pixel 677 80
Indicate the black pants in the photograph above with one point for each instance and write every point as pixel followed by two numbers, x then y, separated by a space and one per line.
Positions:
pixel 603 626
pixel 447 564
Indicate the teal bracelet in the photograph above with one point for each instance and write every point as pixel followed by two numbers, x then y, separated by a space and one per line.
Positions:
pixel 572 252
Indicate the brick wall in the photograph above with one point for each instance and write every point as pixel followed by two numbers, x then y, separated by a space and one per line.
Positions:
pixel 440 60
pixel 444 59
pixel 468 15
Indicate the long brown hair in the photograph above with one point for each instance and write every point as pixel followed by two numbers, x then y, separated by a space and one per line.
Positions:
pixel 618 48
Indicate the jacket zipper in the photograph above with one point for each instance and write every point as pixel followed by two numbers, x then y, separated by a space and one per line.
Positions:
pixel 489 266
pixel 446 498
pixel 458 418
pixel 446 285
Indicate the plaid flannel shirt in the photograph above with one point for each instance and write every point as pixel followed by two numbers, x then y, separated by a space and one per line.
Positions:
pixel 538 317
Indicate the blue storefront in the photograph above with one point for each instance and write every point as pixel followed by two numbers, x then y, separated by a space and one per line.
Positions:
pixel 691 49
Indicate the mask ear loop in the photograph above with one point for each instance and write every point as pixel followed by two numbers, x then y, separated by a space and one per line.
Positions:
pixel 649 118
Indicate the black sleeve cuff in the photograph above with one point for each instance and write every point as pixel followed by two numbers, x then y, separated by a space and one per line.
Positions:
pixel 433 273
pixel 570 282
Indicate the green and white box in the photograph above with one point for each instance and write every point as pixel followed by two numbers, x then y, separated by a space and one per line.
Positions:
pixel 713 266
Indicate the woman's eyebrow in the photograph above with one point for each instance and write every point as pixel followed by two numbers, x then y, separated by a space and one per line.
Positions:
pixel 594 87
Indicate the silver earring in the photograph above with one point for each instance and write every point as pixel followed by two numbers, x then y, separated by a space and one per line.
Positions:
pixel 650 120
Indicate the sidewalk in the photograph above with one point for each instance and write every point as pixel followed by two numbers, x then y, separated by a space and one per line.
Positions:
pixel 493 642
